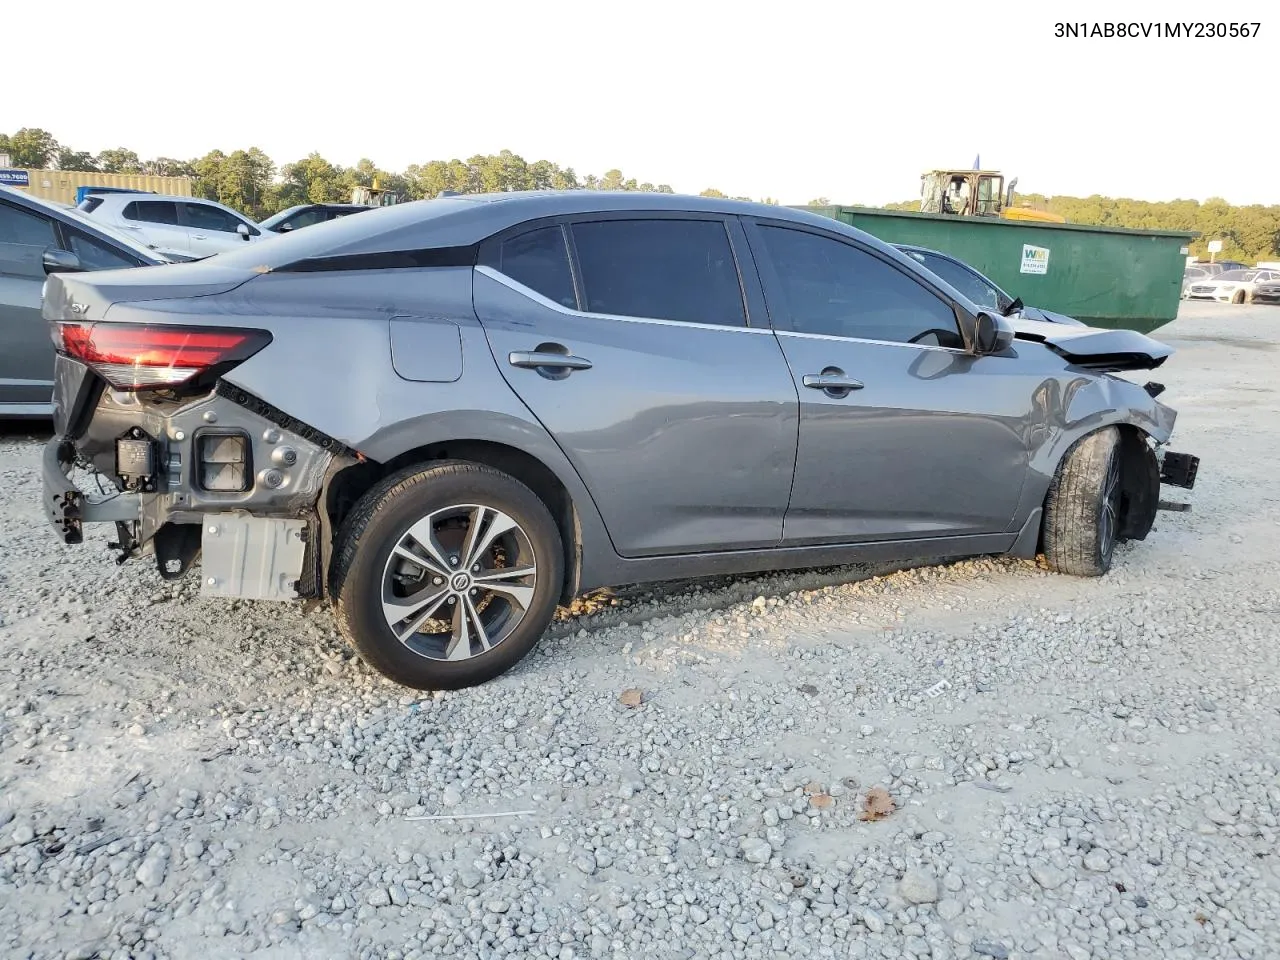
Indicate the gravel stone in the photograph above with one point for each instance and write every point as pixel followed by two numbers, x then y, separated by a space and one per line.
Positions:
pixel 919 885
pixel 1048 876
pixel 1097 861
pixel 183 776
pixel 152 871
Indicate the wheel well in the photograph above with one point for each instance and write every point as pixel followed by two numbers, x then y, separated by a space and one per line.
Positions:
pixel 352 482
pixel 1140 483
pixel 1139 479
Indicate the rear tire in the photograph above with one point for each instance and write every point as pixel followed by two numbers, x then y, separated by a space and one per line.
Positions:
pixel 1238 297
pixel 446 576
pixel 1082 508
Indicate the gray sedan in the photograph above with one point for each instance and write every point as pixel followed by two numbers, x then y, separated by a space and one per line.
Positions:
pixel 450 416
pixel 38 238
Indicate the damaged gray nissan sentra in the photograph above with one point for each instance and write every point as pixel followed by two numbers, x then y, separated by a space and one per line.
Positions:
pixel 448 417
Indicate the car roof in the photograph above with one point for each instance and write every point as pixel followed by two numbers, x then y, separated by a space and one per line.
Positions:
pixel 142 195
pixel 71 215
pixel 467 219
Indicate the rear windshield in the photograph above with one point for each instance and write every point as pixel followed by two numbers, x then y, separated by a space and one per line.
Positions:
pixel 343 234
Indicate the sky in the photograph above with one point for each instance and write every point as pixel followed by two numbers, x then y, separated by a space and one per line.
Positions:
pixel 793 100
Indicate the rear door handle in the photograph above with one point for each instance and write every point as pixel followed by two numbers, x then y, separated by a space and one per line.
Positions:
pixel 539 358
pixel 831 381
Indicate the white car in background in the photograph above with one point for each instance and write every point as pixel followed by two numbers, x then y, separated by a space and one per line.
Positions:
pixel 189 225
pixel 1233 286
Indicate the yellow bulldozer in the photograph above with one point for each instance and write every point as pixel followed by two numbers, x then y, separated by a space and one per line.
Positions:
pixel 976 193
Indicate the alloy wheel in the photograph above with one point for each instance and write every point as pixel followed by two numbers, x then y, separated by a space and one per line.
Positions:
pixel 1109 516
pixel 458 582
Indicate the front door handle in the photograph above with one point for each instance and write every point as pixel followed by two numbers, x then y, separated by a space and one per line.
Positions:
pixel 547 358
pixel 831 381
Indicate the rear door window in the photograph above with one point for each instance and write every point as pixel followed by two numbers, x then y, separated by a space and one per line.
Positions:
pixel 539 260
pixel 152 211
pixel 664 269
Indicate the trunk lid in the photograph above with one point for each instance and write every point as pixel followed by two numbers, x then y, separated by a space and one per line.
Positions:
pixel 1094 348
pixel 86 296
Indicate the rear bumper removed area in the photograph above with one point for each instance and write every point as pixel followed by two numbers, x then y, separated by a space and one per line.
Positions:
pixel 216 478
pixel 67 507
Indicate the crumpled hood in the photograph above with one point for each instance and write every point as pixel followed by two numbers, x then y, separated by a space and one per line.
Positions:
pixel 1036 313
pixel 1094 348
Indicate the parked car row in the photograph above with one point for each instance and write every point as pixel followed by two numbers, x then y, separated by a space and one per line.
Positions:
pixel 1231 286
pixel 196 227
pixel 1195 272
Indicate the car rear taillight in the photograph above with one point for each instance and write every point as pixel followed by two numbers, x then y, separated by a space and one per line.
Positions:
pixel 144 357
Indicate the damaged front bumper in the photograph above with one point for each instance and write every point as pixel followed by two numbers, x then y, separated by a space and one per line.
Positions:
pixel 1178 470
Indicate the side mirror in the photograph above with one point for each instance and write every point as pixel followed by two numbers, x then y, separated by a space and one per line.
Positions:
pixel 243 230
pixel 1015 306
pixel 61 261
pixel 286 227
pixel 991 334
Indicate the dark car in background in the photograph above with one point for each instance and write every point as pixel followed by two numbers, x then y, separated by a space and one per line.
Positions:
pixel 1267 292
pixel 978 287
pixel 309 214
pixel 38 238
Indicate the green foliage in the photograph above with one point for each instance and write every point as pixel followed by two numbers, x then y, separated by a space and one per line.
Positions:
pixel 30 147
pixel 119 160
pixel 247 180
pixel 1248 233
pixel 69 159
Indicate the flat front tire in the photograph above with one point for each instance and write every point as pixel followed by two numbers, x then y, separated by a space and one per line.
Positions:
pixel 445 576
pixel 1082 509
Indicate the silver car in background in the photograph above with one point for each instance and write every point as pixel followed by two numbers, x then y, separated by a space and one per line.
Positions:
pixel 38 238
pixel 450 416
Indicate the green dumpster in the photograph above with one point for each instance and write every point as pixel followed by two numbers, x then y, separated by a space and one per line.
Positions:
pixel 1105 276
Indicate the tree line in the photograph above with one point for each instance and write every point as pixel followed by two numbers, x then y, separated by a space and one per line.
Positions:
pixel 250 181
pixel 1248 233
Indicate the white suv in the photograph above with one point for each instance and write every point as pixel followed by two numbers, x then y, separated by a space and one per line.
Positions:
pixel 198 228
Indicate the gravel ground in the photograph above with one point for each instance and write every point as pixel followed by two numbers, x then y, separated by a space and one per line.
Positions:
pixel 1073 768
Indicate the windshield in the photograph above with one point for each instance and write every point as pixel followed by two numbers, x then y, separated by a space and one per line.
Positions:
pixel 973 285
pixel 283 215
pixel 1238 276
